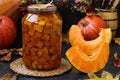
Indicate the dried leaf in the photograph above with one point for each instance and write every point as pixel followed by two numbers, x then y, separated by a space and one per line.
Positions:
pixel 3 51
pixel 9 76
pixel 6 54
pixel 104 76
pixel 17 51
pixel 117 40
pixel 65 37
pixel 116 2
pixel 91 75
pixel 116 60
pixel 6 57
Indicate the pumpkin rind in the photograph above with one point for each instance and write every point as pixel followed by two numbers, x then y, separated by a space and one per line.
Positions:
pixel 76 39
pixel 88 64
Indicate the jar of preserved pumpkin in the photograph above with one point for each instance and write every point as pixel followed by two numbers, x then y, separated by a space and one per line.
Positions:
pixel 42 37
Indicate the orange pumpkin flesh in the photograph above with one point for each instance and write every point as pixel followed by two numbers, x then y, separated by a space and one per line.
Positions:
pixel 88 63
pixel 88 56
pixel 76 38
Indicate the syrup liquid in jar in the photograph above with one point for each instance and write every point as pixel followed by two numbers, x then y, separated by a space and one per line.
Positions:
pixel 42 37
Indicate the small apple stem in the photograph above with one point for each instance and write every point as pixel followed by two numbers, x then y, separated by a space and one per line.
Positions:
pixel 0 19
pixel 84 23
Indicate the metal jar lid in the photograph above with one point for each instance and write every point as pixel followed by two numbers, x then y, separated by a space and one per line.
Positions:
pixel 41 7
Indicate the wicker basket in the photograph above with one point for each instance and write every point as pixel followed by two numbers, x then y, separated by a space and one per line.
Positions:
pixel 111 17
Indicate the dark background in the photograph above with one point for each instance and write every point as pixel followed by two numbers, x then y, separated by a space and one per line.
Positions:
pixel 69 18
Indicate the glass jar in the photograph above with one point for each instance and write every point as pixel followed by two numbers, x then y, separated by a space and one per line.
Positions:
pixel 42 37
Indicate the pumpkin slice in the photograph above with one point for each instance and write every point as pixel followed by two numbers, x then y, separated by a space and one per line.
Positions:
pixel 76 39
pixel 88 63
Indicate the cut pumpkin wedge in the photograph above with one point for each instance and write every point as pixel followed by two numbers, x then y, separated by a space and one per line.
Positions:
pixel 88 63
pixel 76 39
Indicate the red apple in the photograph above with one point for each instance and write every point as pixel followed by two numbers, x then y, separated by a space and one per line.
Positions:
pixel 91 26
pixel 7 32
